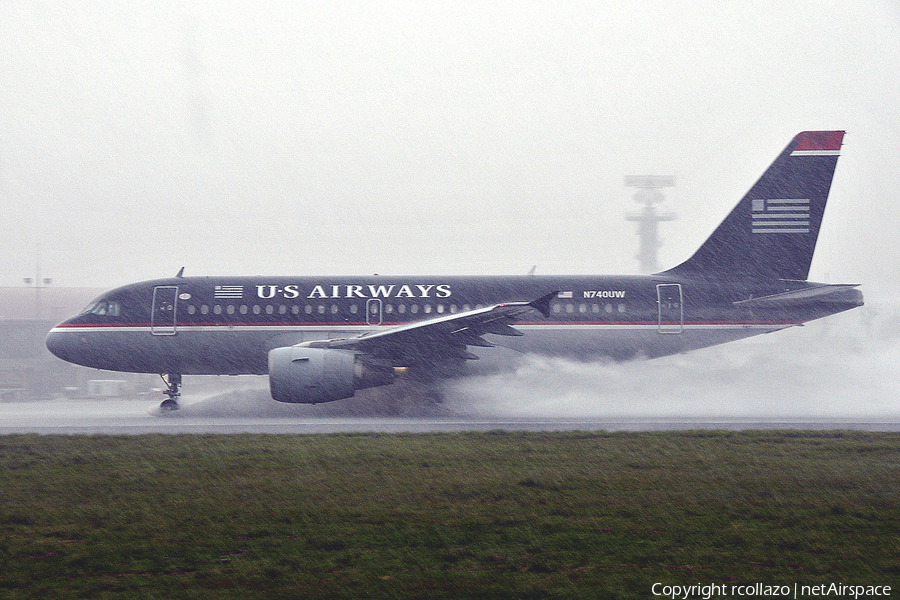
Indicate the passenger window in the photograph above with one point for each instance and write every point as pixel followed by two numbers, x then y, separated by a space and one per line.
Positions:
pixel 354 309
pixel 243 309
pixel 401 308
pixel 621 308
pixel 256 309
pixel 427 308
pixel 609 308
pixel 230 309
pixel 282 309
pixel 295 309
pixel 204 309
pixel 388 308
pixel 191 309
pixel 414 308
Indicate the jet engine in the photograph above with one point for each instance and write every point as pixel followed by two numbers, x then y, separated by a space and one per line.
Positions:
pixel 314 375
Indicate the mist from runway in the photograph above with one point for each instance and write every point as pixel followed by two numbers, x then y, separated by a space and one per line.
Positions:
pixel 844 366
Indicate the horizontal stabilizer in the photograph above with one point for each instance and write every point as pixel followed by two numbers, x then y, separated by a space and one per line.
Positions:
pixel 795 296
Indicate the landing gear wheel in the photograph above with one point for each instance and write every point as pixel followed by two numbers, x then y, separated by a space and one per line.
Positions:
pixel 173 385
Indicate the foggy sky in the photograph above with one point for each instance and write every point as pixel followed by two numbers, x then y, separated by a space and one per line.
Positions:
pixel 427 137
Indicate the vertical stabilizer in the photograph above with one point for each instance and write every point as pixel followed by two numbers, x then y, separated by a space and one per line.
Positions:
pixel 772 232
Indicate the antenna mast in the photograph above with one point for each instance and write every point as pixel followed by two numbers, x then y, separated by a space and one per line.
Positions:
pixel 648 194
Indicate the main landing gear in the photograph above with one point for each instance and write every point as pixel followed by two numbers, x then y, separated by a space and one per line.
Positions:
pixel 173 383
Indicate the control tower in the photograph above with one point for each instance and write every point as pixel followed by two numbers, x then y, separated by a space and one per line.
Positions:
pixel 648 194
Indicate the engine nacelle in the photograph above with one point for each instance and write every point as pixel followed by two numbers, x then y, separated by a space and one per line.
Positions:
pixel 315 375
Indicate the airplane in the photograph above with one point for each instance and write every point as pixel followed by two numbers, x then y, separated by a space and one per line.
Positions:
pixel 320 339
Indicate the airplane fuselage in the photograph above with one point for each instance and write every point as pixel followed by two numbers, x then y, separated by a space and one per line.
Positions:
pixel 228 325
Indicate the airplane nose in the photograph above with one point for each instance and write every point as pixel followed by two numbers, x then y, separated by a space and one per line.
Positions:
pixel 59 343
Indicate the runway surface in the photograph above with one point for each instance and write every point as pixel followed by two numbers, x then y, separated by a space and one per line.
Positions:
pixel 135 417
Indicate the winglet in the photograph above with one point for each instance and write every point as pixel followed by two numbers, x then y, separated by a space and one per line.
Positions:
pixel 180 273
pixel 542 304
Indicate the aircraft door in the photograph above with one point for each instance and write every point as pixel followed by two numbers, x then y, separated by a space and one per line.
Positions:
pixel 671 307
pixel 373 311
pixel 164 309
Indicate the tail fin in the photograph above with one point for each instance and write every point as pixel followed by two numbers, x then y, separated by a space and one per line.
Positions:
pixel 772 232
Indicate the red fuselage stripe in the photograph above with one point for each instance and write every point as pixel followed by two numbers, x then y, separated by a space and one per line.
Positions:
pixel 393 323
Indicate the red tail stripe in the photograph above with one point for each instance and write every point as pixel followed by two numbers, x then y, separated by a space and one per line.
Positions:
pixel 819 140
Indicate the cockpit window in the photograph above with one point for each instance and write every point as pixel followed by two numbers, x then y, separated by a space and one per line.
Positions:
pixel 103 308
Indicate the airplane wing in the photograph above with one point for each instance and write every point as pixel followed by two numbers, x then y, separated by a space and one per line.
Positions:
pixel 445 337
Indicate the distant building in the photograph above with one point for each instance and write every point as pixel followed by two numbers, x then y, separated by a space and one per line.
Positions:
pixel 27 369
pixel 44 303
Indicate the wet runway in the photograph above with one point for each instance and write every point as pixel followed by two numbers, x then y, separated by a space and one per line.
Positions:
pixel 839 374
pixel 135 417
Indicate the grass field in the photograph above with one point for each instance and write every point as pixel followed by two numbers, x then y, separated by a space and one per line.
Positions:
pixel 477 515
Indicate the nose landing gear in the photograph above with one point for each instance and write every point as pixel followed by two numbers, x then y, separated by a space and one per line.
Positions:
pixel 173 383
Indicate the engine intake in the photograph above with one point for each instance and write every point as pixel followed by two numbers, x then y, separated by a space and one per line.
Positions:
pixel 314 375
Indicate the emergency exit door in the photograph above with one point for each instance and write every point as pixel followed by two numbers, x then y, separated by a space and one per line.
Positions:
pixel 374 314
pixel 671 307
